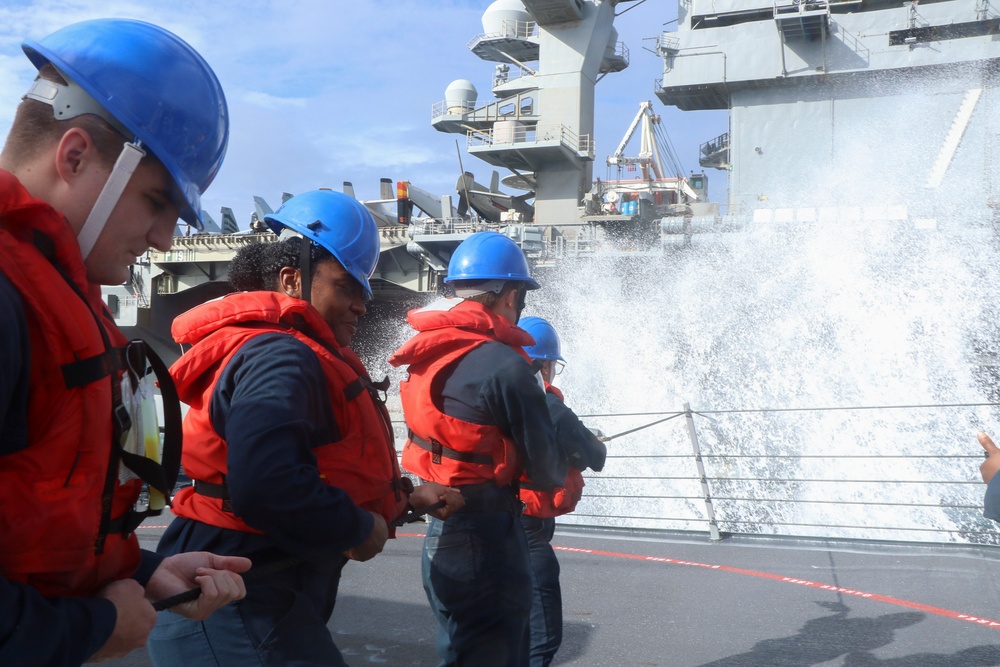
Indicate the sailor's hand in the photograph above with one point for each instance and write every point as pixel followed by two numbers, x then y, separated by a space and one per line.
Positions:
pixel 374 544
pixel 218 576
pixel 989 467
pixel 429 493
pixel 135 619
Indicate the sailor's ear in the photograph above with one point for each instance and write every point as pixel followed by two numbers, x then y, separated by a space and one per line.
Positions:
pixel 509 297
pixel 290 282
pixel 75 152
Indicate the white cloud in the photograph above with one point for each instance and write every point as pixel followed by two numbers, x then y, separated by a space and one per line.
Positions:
pixel 261 99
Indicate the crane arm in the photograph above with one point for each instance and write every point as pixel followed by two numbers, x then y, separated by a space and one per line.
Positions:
pixel 619 152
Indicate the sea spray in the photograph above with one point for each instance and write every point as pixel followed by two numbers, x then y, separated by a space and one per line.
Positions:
pixel 782 337
pixel 856 314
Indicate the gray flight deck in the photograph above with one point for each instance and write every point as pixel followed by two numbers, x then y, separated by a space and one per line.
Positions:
pixel 678 600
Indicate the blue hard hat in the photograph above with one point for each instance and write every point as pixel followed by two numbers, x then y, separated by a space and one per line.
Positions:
pixel 546 340
pixel 489 256
pixel 154 84
pixel 339 223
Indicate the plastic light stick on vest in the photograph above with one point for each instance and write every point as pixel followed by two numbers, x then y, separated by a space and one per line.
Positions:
pixel 151 440
pixel 143 437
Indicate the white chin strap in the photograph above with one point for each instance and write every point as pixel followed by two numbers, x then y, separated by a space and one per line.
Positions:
pixel 495 286
pixel 129 159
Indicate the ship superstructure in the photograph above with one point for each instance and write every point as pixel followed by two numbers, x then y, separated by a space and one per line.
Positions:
pixel 540 127
pixel 843 109
pixel 839 110
pixel 550 54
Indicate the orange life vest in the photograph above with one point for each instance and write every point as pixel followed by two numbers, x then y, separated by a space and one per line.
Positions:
pixel 547 502
pixel 362 463
pixel 60 495
pixel 442 448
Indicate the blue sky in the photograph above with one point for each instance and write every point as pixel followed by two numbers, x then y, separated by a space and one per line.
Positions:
pixel 323 92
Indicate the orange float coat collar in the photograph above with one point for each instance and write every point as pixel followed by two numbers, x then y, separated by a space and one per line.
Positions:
pixel 442 448
pixel 59 494
pixel 547 503
pixel 362 463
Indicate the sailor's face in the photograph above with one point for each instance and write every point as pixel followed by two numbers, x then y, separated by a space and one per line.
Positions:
pixel 339 298
pixel 145 216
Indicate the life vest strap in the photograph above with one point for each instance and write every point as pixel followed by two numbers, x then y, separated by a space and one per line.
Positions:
pixel 353 390
pixel 378 390
pixel 439 450
pixel 170 460
pixel 160 475
pixel 128 522
pixel 212 490
pixel 82 372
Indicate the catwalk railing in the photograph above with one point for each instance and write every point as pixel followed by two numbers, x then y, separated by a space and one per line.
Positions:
pixel 722 472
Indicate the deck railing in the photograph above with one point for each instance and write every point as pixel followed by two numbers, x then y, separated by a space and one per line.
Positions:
pixel 532 134
pixel 509 29
pixel 693 480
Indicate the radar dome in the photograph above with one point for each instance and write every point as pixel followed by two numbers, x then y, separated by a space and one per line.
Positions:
pixel 460 96
pixel 502 17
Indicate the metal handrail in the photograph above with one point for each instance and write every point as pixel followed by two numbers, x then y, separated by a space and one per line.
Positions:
pixel 666 44
pixel 714 145
pixel 622 53
pixel 443 108
pixel 515 29
pixel 533 134
pixel 709 490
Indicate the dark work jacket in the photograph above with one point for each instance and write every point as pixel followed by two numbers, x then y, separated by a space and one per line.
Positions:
pixel 493 385
pixel 272 406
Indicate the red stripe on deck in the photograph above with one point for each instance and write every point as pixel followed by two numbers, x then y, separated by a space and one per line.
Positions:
pixel 986 622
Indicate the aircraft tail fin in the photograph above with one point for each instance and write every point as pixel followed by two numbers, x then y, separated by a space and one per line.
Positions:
pixel 229 225
pixel 261 206
pixel 210 226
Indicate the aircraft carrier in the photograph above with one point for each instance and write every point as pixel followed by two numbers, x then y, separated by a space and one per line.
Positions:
pixel 839 110
pixel 834 327
pixel 547 57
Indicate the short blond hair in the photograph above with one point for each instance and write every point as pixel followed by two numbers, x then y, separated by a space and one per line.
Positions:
pixel 35 128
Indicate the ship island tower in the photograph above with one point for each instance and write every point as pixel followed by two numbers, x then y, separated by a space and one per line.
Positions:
pixel 550 54
pixel 844 109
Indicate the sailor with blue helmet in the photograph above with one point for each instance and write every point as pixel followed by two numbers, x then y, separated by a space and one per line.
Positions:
pixel 120 134
pixel 287 440
pixel 477 419
pixel 542 503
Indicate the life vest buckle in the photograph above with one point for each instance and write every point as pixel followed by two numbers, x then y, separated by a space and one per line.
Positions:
pixel 121 419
